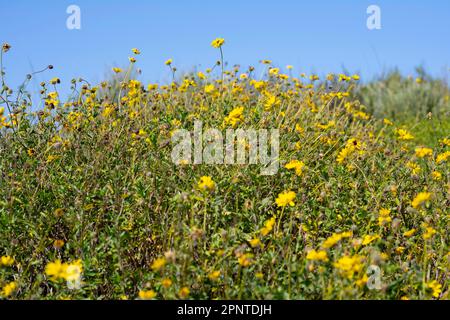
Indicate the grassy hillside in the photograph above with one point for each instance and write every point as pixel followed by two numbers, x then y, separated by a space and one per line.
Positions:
pixel 92 205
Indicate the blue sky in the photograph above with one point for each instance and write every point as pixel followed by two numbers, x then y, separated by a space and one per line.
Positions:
pixel 321 36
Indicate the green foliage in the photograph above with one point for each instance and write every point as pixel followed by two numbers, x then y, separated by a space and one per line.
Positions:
pixel 92 179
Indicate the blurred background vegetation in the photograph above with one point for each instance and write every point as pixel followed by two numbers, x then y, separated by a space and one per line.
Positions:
pixel 422 103
pixel 397 97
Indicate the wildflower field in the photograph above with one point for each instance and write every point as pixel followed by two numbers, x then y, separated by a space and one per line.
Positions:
pixel 93 207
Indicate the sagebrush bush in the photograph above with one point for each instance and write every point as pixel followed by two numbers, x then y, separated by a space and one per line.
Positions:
pixel 397 97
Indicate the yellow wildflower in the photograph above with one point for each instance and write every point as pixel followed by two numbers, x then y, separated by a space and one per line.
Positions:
pixel 423 152
pixel 55 81
pixel 147 294
pixel 369 238
pixel 436 175
pixel 383 216
pixel 445 141
pixel 388 122
pixel 268 226
pixel 255 242
pixel 158 264
pixel 6 261
pixel 297 165
pixel 320 255
pixel 350 147
pixel 8 289
pixel 429 232
pixel 349 265
pixel 166 282
pixel 335 238
pixel 420 198
pixel 400 250
pixel 235 117
pixel 56 270
pixel 270 101
pixel 184 292
pixel 415 168
pixel 409 233
pixel 58 244
pixel 218 42
pixel 108 111
pixel 442 157
pixel 299 129
pixel 362 281
pixel 214 275
pixel 326 126
pixel 206 183
pixel 209 88
pixel 274 71
pixel 404 134
pixel 152 86
pixel 436 288
pixel 245 259
pixel 286 198
pixel 201 75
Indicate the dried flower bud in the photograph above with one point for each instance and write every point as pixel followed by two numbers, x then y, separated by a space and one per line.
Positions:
pixel 6 47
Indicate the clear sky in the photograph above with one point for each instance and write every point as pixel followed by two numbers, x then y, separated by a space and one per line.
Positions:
pixel 321 36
